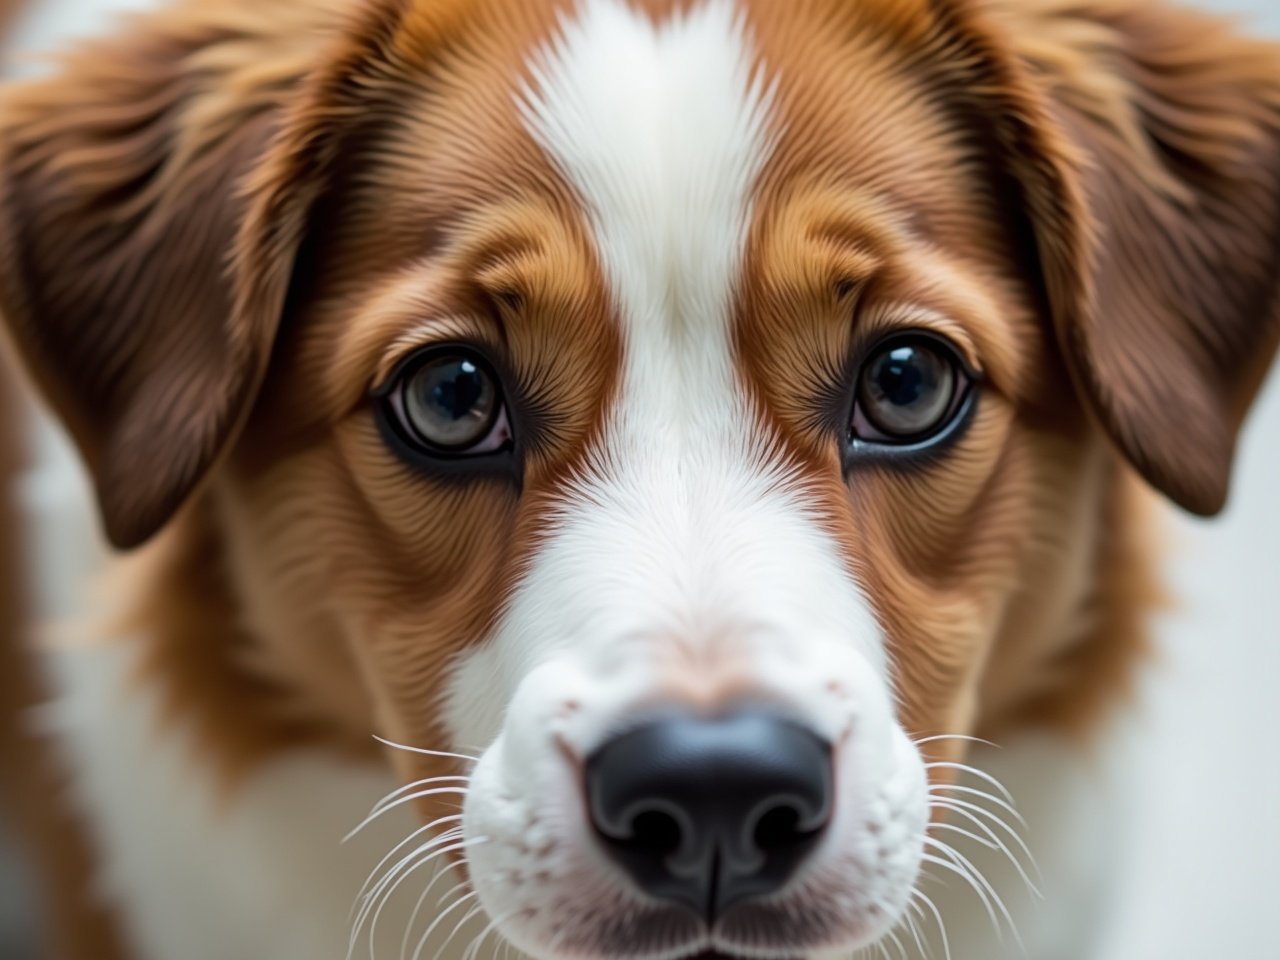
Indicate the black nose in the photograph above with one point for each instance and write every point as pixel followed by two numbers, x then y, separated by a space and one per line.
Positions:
pixel 710 811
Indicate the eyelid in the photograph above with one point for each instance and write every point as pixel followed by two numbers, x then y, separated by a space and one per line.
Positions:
pixel 882 323
pixel 499 434
pixel 392 393
pixel 441 333
pixel 865 430
pixel 494 453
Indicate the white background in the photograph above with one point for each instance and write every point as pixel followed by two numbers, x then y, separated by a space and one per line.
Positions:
pixel 1202 882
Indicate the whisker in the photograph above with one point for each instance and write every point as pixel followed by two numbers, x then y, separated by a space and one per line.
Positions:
pixel 474 912
pixel 937 917
pixel 902 952
pixel 435 791
pixel 964 875
pixel 967 810
pixel 365 903
pixel 997 845
pixel 914 928
pixel 952 828
pixel 414 869
pixel 417 950
pixel 474 948
pixel 936 790
pixel 425 752
pixel 388 885
pixel 450 836
pixel 422 898
pixel 401 845
pixel 414 786
pixel 954 736
pixel 964 861
pixel 973 771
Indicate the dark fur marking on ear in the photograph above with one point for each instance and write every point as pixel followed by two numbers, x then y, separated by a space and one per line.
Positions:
pixel 1153 201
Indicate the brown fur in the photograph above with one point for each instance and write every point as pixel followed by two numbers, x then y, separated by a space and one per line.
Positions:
pixel 1085 197
pixel 73 922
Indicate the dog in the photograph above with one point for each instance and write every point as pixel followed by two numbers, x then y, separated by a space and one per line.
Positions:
pixel 635 451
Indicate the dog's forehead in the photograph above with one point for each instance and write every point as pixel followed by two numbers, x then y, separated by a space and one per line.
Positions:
pixel 661 127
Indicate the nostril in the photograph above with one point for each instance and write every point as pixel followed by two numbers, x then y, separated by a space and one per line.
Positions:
pixel 779 829
pixel 656 831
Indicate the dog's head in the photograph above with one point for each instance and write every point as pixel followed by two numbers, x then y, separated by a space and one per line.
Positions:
pixel 688 407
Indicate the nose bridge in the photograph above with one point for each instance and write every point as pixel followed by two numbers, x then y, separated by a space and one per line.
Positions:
pixel 695 499
pixel 712 544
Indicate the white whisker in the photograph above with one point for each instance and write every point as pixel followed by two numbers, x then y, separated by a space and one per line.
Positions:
pixel 975 792
pixel 474 948
pixel 400 846
pixel 978 875
pixel 996 845
pixel 387 886
pixel 417 950
pixel 914 929
pixel 422 898
pixel 964 875
pixel 967 810
pixel 937 917
pixel 902 952
pixel 973 771
pixel 436 791
pixel 955 736
pixel 367 900
pixel 414 869
pixel 425 752
pixel 448 837
pixel 952 828
pixel 414 786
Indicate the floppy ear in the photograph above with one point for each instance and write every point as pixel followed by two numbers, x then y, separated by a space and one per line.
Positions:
pixel 153 195
pixel 1143 146
pixel 118 208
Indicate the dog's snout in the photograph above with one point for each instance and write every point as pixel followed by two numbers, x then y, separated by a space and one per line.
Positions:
pixel 711 811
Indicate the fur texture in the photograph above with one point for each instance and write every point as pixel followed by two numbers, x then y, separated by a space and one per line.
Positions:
pixel 223 233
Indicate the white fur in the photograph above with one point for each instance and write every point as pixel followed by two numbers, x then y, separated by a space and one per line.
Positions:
pixel 1075 820
pixel 685 541
pixel 261 873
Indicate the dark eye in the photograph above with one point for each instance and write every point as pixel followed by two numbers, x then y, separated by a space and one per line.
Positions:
pixel 909 389
pixel 451 403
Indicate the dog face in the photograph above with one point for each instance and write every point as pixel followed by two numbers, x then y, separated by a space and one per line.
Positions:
pixel 691 409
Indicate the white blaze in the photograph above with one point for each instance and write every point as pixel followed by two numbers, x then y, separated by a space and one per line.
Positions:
pixel 687 526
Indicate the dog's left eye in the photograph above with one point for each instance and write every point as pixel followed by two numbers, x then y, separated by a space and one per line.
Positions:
pixel 450 403
pixel 910 389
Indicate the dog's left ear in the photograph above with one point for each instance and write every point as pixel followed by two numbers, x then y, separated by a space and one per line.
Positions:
pixel 1138 150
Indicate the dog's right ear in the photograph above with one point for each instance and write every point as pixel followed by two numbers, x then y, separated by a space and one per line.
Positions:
pixel 153 194
pixel 118 209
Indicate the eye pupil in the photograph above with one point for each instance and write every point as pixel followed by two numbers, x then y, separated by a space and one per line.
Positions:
pixel 901 379
pixel 458 397
pixel 907 392
pixel 450 402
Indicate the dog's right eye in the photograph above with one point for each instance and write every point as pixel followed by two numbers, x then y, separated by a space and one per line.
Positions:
pixel 448 403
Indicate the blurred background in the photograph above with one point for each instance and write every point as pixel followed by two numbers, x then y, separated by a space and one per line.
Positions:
pixel 1203 877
